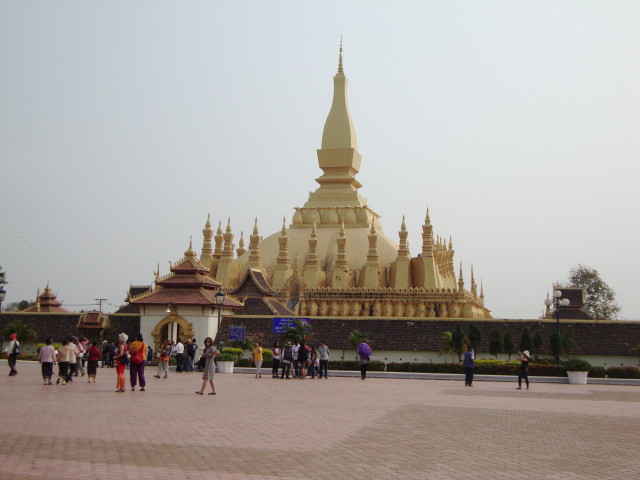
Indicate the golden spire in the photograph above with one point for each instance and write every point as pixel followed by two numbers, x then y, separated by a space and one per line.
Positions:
pixel 219 241
pixel 312 257
pixel 254 247
pixel 190 253
pixel 283 242
pixel 341 260
pixel 403 250
pixel 207 234
pixel 340 70
pixel 372 255
pixel 240 250
pixel 228 242
pixel 460 281
pixel 427 236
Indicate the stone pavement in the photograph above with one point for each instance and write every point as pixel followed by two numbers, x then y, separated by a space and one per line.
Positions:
pixel 340 428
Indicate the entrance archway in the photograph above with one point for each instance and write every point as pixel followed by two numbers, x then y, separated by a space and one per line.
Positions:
pixel 171 327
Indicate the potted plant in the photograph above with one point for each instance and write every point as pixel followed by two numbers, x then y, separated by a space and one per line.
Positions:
pixel 577 370
pixel 225 362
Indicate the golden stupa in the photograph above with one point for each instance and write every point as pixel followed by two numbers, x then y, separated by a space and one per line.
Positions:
pixel 334 259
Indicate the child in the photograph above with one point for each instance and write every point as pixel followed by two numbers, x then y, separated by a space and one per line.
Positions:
pixel 47 359
pixel 64 354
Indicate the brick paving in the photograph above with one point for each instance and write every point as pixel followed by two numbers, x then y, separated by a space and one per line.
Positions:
pixel 340 428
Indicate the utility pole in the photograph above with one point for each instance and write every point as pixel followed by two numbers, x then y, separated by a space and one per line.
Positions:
pixel 101 300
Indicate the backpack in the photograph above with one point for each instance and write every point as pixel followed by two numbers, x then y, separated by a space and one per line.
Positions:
pixel 16 349
pixel 288 354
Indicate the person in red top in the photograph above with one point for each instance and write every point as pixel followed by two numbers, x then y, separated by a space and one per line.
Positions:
pixel 92 361
pixel 120 367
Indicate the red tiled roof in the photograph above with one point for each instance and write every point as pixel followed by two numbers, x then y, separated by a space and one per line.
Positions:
pixel 184 280
pixel 189 266
pixel 175 296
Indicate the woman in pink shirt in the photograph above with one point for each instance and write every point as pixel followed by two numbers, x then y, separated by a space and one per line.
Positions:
pixel 47 359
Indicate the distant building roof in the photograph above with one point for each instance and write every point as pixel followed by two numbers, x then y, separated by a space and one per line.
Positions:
pixel 46 302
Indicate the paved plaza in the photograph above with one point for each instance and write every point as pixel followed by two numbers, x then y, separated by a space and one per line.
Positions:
pixel 340 428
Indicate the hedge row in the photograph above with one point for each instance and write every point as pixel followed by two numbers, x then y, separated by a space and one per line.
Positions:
pixel 512 369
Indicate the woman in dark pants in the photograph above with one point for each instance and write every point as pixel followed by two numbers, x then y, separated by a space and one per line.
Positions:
pixel 276 360
pixel 468 363
pixel 364 351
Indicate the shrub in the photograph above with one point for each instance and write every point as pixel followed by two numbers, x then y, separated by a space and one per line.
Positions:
pixel 597 372
pixel 623 372
pixel 238 352
pixel 374 366
pixel 227 357
pixel 267 356
pixel 576 364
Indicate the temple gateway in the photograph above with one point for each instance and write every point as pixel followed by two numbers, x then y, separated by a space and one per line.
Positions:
pixel 333 259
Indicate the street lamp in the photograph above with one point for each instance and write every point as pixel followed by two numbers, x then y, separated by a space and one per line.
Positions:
pixel 3 293
pixel 219 296
pixel 557 302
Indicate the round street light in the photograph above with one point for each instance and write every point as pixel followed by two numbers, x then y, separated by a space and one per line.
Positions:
pixel 219 298
pixel 557 302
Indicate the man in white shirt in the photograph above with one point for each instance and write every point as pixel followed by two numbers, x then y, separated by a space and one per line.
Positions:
pixel 296 365
pixel 178 351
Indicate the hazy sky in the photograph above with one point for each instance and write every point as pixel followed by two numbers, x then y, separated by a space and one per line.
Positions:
pixel 123 124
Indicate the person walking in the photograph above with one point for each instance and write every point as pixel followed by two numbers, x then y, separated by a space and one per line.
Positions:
pixel 287 358
pixel 47 360
pixel 13 350
pixel 257 359
pixel 64 356
pixel 178 352
pixel 93 358
pixel 210 352
pixel 364 352
pixel 72 358
pixel 79 357
pixel 468 363
pixel 303 358
pixel 313 362
pixel 121 364
pixel 296 366
pixel 276 360
pixel 323 352
pixel 163 360
pixel 523 373
pixel 138 350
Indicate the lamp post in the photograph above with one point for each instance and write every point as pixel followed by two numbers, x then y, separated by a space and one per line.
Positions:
pixel 3 293
pixel 219 301
pixel 557 302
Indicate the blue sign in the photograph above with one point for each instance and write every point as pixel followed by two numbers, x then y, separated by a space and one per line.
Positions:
pixel 236 334
pixel 280 324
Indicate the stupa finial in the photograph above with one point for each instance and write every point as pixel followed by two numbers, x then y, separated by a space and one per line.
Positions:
pixel 340 69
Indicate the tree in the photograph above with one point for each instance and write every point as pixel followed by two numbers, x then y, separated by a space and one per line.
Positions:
pixel 567 347
pixel 356 337
pixel 298 332
pixel 446 344
pixel 526 340
pixel 538 342
pixel 458 339
pixel 25 332
pixel 3 280
pixel 475 336
pixel 17 306
pixel 509 344
pixel 599 298
pixel 496 344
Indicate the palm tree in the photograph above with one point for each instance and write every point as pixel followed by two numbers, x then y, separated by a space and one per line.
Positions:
pixel 446 344
pixel 298 332
pixel 24 332
pixel 356 337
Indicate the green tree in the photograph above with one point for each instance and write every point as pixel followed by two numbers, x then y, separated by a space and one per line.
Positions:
pixel 567 346
pixel 3 280
pixel 298 332
pixel 599 298
pixel 538 342
pixel 475 336
pixel 17 306
pixel 526 340
pixel 25 332
pixel 496 344
pixel 446 344
pixel 356 337
pixel 509 344
pixel 458 338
